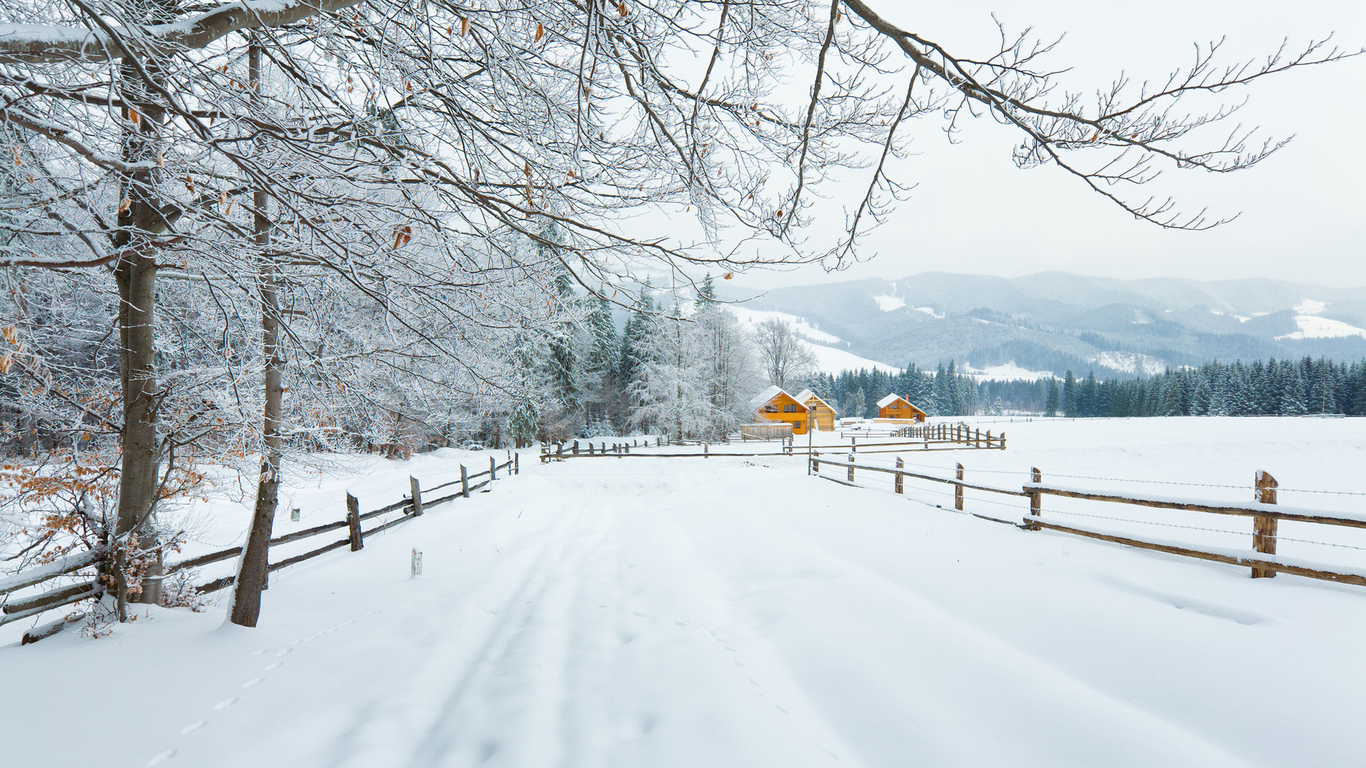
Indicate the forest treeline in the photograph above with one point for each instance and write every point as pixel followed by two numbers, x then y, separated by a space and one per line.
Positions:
pixel 1270 388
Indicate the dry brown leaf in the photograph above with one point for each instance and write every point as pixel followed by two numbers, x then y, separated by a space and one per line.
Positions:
pixel 540 32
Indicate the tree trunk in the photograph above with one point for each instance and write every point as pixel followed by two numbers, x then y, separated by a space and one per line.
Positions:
pixel 252 572
pixel 135 272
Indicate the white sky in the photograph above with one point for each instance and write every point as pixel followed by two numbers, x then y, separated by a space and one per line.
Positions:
pixel 1303 210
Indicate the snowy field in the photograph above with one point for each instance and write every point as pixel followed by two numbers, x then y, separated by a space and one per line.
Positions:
pixel 734 612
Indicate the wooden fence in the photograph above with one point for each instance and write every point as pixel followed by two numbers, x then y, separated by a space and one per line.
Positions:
pixel 1265 514
pixel 769 430
pixel 572 450
pixel 933 437
pixel 411 506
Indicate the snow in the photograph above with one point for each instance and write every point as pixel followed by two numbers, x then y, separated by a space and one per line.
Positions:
pixel 831 360
pixel 1129 362
pixel 1239 318
pixel 1310 307
pixel 888 400
pixel 734 612
pixel 889 303
pixel 752 317
pixel 930 311
pixel 768 394
pixel 1311 327
pixel 828 359
pixel 1004 372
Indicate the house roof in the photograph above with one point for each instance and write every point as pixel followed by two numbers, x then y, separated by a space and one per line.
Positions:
pixel 806 396
pixel 889 399
pixel 770 393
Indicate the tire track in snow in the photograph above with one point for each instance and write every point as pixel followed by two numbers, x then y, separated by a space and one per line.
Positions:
pixel 918 709
pixel 515 679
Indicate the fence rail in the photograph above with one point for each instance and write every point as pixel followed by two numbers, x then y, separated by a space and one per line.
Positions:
pixel 1265 513
pixel 411 506
pixel 931 437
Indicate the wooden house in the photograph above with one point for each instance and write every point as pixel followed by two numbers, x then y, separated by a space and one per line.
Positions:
pixel 899 408
pixel 773 404
pixel 822 413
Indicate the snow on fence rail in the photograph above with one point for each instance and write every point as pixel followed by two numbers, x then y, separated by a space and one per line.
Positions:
pixel 411 506
pixel 1265 514
pixel 933 437
pixel 573 450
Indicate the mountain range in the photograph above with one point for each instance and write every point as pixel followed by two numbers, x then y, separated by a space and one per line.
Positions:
pixel 1054 321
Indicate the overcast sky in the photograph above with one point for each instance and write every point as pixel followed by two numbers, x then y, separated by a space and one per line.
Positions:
pixel 1303 211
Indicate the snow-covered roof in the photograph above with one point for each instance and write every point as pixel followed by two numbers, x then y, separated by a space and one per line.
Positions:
pixel 769 394
pixel 807 395
pixel 888 400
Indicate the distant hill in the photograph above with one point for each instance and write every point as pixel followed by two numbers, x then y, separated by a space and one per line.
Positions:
pixel 1055 321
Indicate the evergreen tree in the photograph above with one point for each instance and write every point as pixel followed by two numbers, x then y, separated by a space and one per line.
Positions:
pixel 601 400
pixel 706 293
pixel 1069 395
pixel 1170 404
pixel 1050 407
pixel 524 415
pixel 635 344
pixel 1292 394
pixel 563 366
pixel 855 403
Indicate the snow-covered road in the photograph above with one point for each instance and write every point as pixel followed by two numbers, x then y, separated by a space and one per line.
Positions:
pixel 642 612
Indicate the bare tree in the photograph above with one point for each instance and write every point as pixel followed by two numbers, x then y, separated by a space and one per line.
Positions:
pixel 785 356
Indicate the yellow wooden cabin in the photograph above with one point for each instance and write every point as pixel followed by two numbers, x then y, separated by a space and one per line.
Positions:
pixel 899 408
pixel 773 404
pixel 822 413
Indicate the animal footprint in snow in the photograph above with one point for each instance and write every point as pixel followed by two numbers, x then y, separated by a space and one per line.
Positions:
pixel 284 651
pixel 192 727
pixel 225 703
pixel 161 758
pixel 273 665
pixel 256 681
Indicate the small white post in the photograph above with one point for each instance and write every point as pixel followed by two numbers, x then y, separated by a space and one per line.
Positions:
pixel 417 562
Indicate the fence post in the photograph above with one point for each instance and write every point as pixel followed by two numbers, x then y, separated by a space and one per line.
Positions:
pixel 988 439
pixel 576 448
pixel 853 443
pixel 1002 440
pixel 958 491
pixel 516 463
pixel 493 470
pixel 464 481
pixel 816 463
pixel 417 495
pixel 353 522
pixel 851 467
pixel 1035 497
pixel 1263 527
pixel 706 450
pixel 417 562
pixel 899 465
